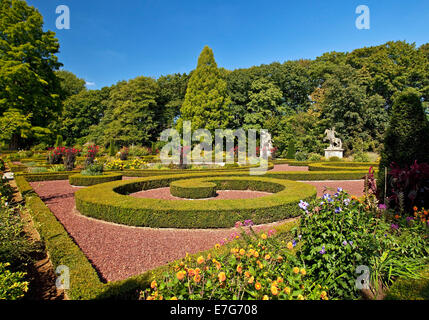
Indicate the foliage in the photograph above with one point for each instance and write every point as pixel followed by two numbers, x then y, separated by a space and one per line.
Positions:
pixel 6 191
pixel 29 88
pixel 340 233
pixel 191 189
pixel 70 84
pixel 137 151
pixel 59 141
pixel 409 186
pixel 407 138
pixel 291 150
pixel 112 149
pixel 301 156
pixel 93 170
pixel 206 100
pixel 12 284
pixel 257 267
pixel 57 168
pixel 86 179
pixel 123 153
pixel 314 157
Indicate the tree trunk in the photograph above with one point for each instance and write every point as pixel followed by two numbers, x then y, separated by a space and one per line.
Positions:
pixel 14 142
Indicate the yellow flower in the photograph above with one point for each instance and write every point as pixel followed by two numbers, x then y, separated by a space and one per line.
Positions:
pixel 296 270
pixel 222 276
pixel 153 284
pixel 247 274
pixel 242 252
pixel 279 280
pixel 256 254
pixel 239 269
pixel 287 290
pixel 267 257
pixel 200 260
pixel 303 272
pixel 217 246
pixel 323 295
pixel 173 298
pixel 300 297
pixel 289 245
pixel 197 270
pixel 274 290
pixel 191 272
pixel 264 236
pixel 258 286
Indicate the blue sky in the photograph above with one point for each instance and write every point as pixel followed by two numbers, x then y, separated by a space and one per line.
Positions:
pixel 111 41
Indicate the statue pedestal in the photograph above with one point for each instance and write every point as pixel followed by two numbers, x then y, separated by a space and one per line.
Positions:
pixel 334 153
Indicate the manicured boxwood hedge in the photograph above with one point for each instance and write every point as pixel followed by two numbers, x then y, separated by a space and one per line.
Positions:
pixel 192 189
pixel 82 180
pixel 110 202
pixel 46 176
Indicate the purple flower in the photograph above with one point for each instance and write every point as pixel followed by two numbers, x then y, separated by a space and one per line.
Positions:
pixel 294 243
pixel 303 205
pixel 248 223
pixel 351 242
pixel 382 206
pixel 394 226
pixel 238 224
pixel 323 251
pixel 338 210
pixel 336 194
pixel 409 219
pixel 339 189
pixel 346 201
pixel 299 237
pixel 322 203
pixel 344 243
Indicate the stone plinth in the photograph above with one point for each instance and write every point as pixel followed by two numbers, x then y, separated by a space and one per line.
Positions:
pixel 329 153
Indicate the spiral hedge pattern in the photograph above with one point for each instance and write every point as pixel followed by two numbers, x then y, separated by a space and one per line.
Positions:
pixel 111 202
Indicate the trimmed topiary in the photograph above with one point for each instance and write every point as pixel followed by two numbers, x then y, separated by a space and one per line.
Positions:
pixel 191 189
pixel 84 180
pixel 111 202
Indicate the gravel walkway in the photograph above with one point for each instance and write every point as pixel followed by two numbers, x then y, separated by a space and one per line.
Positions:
pixel 117 251
pixel 286 167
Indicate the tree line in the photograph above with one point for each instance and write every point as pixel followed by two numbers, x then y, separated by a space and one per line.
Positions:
pixel 295 100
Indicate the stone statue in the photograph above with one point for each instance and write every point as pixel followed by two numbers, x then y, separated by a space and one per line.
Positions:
pixel 334 143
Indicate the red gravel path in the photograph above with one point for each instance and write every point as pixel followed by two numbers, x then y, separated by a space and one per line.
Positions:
pixel 164 193
pixel 286 167
pixel 353 187
pixel 117 251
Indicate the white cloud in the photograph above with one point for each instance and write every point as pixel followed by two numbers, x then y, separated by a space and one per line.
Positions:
pixel 90 84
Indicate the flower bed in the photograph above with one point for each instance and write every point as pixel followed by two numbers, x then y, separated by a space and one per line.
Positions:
pixel 84 180
pixel 191 189
pixel 111 202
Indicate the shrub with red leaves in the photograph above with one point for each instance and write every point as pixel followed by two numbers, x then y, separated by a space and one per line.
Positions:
pixel 70 158
pixel 409 186
pixel 91 154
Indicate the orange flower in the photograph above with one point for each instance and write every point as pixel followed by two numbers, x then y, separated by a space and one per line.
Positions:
pixel 247 274
pixel 200 260
pixel 264 236
pixel 250 281
pixel 256 254
pixel 296 270
pixel 221 276
pixel 289 245
pixel 267 257
pixel 279 280
pixel 242 252
pixel 303 272
pixel 191 272
pixel 153 284
pixel 323 295
pixel 181 274
pixel 279 258
pixel 287 290
pixel 396 216
pixel 425 213
pixel 274 290
pixel 415 208
pixel 300 297
pixel 239 269
pixel 197 278
pixel 197 270
pixel 258 286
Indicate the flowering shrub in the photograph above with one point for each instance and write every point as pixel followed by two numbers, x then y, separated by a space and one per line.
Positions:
pixel 91 154
pixel 256 267
pixel 70 158
pixel 55 156
pixel 12 284
pixel 121 165
pixel 123 153
pixel 341 233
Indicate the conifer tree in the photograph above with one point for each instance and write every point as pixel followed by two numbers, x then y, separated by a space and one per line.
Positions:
pixel 206 101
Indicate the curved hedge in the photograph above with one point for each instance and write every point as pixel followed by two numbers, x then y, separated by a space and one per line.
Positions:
pixel 110 202
pixel 191 189
pixel 82 180
pixel 342 166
